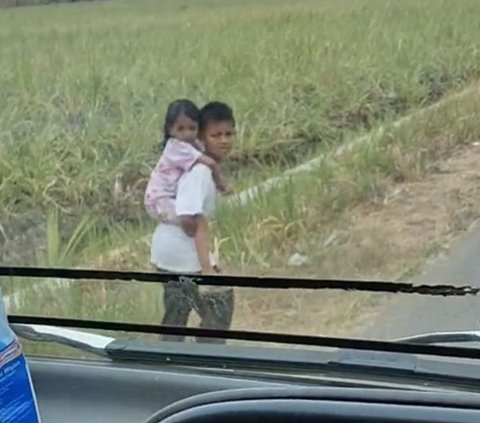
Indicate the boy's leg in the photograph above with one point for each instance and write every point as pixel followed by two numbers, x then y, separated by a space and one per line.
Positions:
pixel 176 309
pixel 216 312
pixel 179 298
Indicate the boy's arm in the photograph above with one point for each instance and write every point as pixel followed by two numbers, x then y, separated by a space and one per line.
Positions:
pixel 189 225
pixel 197 227
pixel 201 244
pixel 191 194
pixel 189 203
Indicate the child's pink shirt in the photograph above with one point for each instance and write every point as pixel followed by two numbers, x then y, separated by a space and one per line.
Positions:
pixel 177 158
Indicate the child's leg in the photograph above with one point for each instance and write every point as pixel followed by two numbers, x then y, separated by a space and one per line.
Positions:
pixel 166 211
pixel 216 312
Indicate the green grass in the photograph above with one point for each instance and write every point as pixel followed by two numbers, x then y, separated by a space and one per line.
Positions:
pixel 299 216
pixel 84 87
pixel 306 208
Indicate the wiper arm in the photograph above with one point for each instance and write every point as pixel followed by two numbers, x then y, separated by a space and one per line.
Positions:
pixel 442 337
pixel 88 342
pixel 249 336
pixel 353 363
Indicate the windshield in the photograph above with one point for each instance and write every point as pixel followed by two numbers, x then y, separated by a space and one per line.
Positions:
pixel 296 139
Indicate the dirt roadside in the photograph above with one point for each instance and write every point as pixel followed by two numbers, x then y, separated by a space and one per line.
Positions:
pixel 390 240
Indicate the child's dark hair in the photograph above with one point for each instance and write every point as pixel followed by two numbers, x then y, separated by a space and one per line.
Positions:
pixel 215 111
pixel 176 109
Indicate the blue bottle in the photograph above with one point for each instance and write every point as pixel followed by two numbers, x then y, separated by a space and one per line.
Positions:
pixel 17 397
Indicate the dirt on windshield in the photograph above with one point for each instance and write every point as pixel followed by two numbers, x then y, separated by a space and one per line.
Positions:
pixel 389 241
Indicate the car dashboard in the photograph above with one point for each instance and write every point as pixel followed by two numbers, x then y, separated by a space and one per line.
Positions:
pixel 78 391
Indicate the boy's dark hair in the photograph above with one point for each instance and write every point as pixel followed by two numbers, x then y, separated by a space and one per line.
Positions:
pixel 215 111
pixel 176 109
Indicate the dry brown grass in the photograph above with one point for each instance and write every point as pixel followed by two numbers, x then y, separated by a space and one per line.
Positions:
pixel 385 237
pixel 383 240
pixel 373 241
pixel 382 228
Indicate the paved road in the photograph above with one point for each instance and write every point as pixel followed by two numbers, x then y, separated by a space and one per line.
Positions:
pixel 414 314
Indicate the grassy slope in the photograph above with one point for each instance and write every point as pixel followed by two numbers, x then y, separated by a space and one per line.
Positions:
pixel 100 112
pixel 85 86
pixel 302 218
pixel 303 213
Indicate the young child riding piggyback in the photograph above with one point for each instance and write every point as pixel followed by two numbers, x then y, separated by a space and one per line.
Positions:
pixel 181 150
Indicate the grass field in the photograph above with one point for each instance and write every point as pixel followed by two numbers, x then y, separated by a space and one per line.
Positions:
pixel 85 86
pixel 84 89
pixel 302 216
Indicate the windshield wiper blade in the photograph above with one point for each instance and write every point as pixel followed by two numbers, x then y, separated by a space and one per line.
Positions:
pixel 85 341
pixel 442 337
pixel 241 281
pixel 269 337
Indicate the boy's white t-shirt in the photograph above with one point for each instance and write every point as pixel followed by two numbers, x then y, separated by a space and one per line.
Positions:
pixel 172 249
